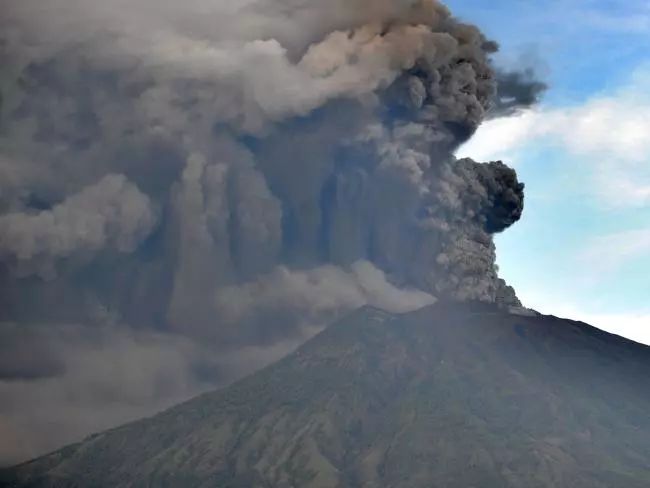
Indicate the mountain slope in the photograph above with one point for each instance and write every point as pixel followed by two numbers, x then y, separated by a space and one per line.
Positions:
pixel 449 396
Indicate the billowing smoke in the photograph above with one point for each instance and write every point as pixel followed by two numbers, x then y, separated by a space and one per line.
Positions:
pixel 112 214
pixel 205 184
pixel 516 90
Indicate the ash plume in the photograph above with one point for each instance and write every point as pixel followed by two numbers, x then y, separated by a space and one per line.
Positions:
pixel 112 214
pixel 517 90
pixel 233 177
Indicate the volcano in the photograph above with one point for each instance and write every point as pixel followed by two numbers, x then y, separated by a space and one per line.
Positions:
pixel 449 396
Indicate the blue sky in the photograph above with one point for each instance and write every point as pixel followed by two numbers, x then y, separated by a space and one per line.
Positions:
pixel 583 247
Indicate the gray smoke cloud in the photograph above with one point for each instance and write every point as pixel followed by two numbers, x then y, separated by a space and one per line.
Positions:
pixel 268 308
pixel 113 214
pixel 190 190
pixel 517 90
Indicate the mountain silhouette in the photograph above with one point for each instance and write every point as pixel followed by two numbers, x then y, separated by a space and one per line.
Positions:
pixel 453 396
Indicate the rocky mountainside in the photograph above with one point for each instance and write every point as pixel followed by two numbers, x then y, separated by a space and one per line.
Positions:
pixel 449 396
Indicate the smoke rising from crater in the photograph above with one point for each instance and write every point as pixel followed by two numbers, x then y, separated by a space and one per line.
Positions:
pixel 235 175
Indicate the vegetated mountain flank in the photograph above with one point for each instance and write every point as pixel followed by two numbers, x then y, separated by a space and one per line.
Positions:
pixel 449 396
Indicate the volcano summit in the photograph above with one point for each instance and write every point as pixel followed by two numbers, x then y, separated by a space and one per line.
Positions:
pixel 451 395
pixel 191 191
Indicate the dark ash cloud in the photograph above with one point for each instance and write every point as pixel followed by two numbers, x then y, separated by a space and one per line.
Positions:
pixel 517 90
pixel 189 191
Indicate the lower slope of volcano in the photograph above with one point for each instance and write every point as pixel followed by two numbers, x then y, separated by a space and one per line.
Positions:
pixel 449 396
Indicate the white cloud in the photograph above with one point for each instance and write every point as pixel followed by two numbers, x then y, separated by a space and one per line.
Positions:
pixel 634 326
pixel 610 133
pixel 609 252
pixel 502 138
pixel 636 19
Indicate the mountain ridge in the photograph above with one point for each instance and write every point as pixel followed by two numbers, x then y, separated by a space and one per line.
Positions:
pixel 451 395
